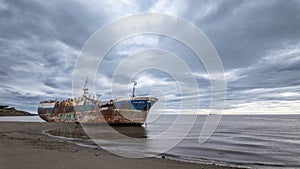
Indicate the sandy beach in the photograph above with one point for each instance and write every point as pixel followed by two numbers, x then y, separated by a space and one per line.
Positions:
pixel 23 145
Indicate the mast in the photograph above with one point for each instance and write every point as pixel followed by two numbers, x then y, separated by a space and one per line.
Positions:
pixel 86 89
pixel 133 88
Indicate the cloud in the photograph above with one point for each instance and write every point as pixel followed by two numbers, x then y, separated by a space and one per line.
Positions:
pixel 244 31
pixel 265 107
pixel 136 44
pixel 169 7
pixel 230 75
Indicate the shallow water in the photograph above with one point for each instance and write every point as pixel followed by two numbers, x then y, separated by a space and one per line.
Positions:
pixel 258 141
pixel 21 118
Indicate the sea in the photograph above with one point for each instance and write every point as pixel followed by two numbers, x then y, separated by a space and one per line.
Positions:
pixel 246 141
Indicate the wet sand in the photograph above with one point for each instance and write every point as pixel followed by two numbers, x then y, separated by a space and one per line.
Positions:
pixel 23 145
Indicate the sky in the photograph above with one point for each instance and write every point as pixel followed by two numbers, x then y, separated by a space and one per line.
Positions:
pixel 258 43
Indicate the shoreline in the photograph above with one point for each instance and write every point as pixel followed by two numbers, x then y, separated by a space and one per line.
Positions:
pixel 24 145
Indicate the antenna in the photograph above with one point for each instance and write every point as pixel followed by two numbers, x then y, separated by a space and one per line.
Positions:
pixel 85 88
pixel 98 96
pixel 133 88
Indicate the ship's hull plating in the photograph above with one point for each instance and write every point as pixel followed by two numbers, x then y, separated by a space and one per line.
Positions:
pixel 85 110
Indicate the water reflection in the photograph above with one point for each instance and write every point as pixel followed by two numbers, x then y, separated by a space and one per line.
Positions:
pixel 100 131
pixel 69 131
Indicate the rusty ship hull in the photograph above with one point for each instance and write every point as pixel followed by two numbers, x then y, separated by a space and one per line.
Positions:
pixel 131 111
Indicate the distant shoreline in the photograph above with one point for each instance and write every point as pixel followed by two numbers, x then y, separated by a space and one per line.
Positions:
pixel 6 110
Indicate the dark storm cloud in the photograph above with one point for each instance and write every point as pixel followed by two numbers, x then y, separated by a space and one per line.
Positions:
pixel 38 49
pixel 269 79
pixel 65 21
pixel 244 31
